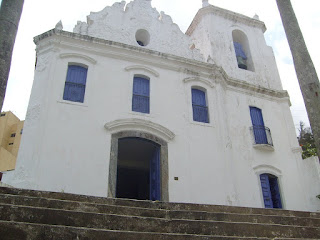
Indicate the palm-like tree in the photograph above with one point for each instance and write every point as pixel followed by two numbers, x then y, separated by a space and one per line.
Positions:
pixel 10 12
pixel 306 73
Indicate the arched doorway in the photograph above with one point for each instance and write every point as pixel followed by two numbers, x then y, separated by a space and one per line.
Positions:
pixel 138 169
pixel 138 166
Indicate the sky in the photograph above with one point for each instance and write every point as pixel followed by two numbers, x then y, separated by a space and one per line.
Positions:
pixel 39 16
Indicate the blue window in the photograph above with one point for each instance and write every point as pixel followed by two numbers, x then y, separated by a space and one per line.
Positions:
pixel 75 84
pixel 259 130
pixel 141 95
pixel 199 106
pixel 270 191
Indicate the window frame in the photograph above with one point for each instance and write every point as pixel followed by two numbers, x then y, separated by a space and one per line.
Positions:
pixel 272 170
pixel 61 69
pixel 261 134
pixel 134 95
pixel 70 83
pixel 204 91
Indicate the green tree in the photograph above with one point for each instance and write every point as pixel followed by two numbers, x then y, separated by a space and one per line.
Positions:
pixel 306 73
pixel 10 12
pixel 306 142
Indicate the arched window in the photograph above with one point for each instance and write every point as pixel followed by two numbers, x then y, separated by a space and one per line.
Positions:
pixel 141 94
pixel 242 50
pixel 199 106
pixel 75 85
pixel 270 191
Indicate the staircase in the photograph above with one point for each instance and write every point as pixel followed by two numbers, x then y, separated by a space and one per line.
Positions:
pixel 33 215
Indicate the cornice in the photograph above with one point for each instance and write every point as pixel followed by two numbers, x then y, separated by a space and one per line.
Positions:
pixel 115 45
pixel 195 69
pixel 232 16
pixel 239 84
pixel 296 150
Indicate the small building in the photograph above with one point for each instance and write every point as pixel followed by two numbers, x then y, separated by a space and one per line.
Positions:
pixel 128 106
pixel 10 135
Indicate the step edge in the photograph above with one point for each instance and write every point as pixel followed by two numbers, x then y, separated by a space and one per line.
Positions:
pixel 153 209
pixel 124 231
pixel 136 200
pixel 166 219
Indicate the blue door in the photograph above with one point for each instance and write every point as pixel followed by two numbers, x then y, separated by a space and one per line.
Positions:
pixel 155 193
pixel 270 191
pixel 259 130
pixel 265 185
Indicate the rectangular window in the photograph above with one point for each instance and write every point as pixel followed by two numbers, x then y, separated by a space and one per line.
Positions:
pixel 2 114
pixel 10 143
pixel 259 130
pixel 75 84
pixel 199 106
pixel 13 135
pixel 141 95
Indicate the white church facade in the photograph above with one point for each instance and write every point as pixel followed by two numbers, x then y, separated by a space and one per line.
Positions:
pixel 128 106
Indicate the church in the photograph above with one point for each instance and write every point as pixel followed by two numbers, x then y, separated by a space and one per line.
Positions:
pixel 129 106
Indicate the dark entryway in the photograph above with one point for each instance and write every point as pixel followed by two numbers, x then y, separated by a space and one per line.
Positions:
pixel 138 169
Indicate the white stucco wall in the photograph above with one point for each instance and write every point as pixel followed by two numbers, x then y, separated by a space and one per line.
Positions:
pixel 66 146
pixel 211 30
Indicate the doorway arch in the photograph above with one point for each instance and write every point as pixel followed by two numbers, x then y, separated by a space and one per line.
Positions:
pixel 114 157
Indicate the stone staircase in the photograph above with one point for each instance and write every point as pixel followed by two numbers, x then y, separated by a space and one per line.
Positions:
pixel 28 214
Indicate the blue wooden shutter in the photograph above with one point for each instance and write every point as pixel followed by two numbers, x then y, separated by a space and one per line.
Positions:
pixel 265 186
pixel 259 130
pixel 239 51
pixel 155 175
pixel 275 193
pixel 141 95
pixel 75 84
pixel 199 106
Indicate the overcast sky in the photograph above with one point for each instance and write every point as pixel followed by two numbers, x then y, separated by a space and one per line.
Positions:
pixel 42 15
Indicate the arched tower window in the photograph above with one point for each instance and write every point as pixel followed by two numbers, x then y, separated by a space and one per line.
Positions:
pixel 242 50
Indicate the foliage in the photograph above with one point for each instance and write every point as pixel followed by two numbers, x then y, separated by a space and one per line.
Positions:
pixel 306 142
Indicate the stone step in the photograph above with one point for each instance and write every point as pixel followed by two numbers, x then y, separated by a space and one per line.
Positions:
pixel 22 231
pixel 156 225
pixel 156 204
pixel 158 213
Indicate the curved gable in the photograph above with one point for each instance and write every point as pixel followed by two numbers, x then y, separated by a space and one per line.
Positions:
pixel 123 23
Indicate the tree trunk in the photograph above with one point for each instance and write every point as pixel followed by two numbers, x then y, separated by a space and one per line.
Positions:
pixel 306 73
pixel 10 13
